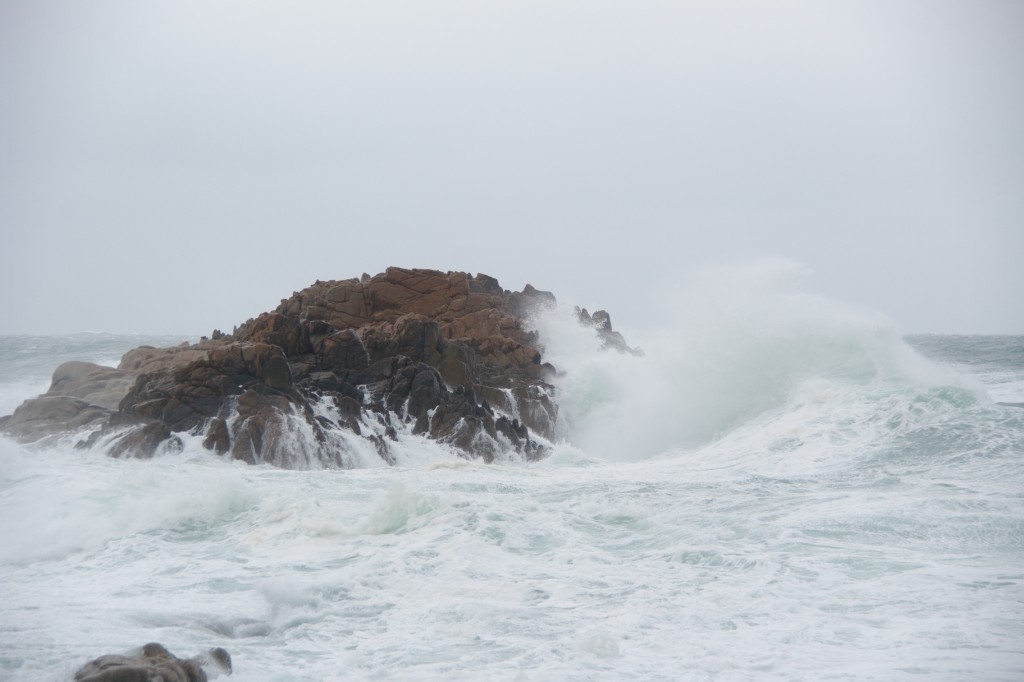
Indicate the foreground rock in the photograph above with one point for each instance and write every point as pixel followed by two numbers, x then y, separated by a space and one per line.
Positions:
pixel 153 663
pixel 330 378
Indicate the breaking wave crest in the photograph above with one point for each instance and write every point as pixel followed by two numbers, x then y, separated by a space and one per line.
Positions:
pixel 746 345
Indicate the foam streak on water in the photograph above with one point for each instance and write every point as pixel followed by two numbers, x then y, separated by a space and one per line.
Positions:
pixel 811 501
pixel 676 569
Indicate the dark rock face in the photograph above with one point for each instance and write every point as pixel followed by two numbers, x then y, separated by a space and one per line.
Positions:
pixel 443 355
pixel 154 663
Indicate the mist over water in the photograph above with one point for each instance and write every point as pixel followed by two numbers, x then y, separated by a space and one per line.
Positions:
pixel 780 487
pixel 744 339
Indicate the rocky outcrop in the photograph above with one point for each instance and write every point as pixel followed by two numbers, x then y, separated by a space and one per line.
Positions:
pixel 81 394
pixel 154 663
pixel 49 416
pixel 601 321
pixel 338 368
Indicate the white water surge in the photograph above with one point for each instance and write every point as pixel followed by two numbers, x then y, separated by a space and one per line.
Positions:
pixel 781 488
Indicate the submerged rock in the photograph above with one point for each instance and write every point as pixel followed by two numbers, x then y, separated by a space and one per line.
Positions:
pixel 338 368
pixel 154 663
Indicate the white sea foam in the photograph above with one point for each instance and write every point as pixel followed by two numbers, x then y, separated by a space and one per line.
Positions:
pixel 745 341
pixel 14 393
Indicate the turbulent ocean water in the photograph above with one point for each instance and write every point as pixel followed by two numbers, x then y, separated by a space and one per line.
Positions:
pixel 781 488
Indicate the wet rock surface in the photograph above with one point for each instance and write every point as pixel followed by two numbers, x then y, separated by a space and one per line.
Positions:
pixel 340 367
pixel 154 663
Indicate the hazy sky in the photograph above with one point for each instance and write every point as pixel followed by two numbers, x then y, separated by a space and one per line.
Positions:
pixel 175 166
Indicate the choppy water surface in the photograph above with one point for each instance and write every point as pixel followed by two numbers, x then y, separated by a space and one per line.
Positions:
pixel 860 517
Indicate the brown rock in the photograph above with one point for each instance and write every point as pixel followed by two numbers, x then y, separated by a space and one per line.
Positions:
pixel 276 329
pixel 95 384
pixel 445 354
pixel 49 416
pixel 154 663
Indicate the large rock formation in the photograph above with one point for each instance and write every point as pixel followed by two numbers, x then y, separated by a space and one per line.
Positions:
pixel 338 369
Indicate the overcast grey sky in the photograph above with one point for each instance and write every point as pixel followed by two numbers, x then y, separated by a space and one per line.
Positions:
pixel 175 166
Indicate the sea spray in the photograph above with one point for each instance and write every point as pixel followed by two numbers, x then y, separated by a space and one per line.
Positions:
pixel 744 340
pixel 65 514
